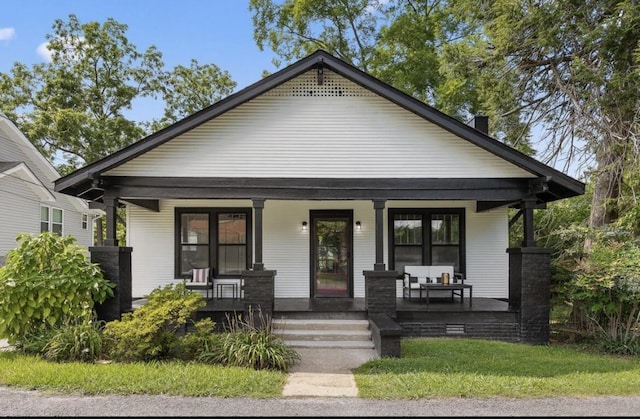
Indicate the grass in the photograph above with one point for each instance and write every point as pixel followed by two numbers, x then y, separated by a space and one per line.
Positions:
pixel 449 367
pixel 429 368
pixel 167 378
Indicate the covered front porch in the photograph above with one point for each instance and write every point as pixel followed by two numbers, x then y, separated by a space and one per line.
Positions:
pixel 486 318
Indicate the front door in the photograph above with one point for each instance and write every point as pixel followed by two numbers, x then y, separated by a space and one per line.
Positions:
pixel 331 248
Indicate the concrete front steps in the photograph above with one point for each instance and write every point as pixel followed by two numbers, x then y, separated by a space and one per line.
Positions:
pixel 324 333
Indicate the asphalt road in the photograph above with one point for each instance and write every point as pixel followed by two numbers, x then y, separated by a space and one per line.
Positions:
pixel 31 403
pixel 34 403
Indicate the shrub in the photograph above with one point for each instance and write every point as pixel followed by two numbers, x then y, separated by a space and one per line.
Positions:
pixel 150 331
pixel 251 343
pixel 47 282
pixel 77 341
pixel 201 344
pixel 607 292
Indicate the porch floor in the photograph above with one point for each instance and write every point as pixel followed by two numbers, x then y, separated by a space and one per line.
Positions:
pixel 284 305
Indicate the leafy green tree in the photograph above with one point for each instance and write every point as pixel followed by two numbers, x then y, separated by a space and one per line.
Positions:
pixel 186 90
pixel 577 68
pixel 46 283
pixel 77 103
pixel 427 49
pixel 77 107
pixel 293 29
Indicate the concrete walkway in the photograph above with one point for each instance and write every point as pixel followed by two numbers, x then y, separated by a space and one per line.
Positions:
pixel 325 372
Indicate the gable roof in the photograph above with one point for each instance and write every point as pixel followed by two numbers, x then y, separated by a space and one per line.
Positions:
pixel 21 171
pixel 46 170
pixel 560 185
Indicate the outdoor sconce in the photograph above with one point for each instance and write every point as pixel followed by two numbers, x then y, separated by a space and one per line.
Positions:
pixel 304 226
pixel 358 226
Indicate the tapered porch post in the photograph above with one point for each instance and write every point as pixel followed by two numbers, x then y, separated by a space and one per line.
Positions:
pixel 115 262
pixel 378 206
pixel 258 206
pixel 258 283
pixel 527 220
pixel 530 282
pixel 380 284
pixel 111 208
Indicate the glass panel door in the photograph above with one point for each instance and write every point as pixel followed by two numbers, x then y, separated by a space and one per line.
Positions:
pixel 331 254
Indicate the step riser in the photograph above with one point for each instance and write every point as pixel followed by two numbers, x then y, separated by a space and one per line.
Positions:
pixel 324 333
pixel 323 337
pixel 320 325
pixel 330 344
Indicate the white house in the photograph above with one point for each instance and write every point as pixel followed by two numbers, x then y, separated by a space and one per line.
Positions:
pixel 319 174
pixel 28 202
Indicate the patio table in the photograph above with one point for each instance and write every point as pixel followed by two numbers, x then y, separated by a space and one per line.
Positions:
pixel 449 287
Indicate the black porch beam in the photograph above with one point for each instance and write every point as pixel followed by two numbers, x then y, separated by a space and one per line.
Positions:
pixel 150 204
pixel 498 189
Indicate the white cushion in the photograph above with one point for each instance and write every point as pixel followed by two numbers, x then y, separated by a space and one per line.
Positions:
pixel 200 276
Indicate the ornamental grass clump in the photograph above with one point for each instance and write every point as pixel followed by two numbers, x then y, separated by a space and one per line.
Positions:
pixel 250 342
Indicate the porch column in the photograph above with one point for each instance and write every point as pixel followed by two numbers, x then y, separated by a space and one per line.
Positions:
pixel 258 206
pixel 380 292
pixel 529 291
pixel 527 222
pixel 378 206
pixel 111 208
pixel 115 263
pixel 259 292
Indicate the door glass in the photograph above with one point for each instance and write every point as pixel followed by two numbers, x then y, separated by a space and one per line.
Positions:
pixel 332 259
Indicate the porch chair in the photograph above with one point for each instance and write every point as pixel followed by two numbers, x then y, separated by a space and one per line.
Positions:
pixel 201 279
pixel 413 277
pixel 422 274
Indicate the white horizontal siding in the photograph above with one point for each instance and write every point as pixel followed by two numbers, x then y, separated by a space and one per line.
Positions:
pixel 19 212
pixel 151 235
pixel 283 134
pixel 487 236
pixel 487 239
pixel 286 248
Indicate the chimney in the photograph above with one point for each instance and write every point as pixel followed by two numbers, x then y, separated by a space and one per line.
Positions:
pixel 481 123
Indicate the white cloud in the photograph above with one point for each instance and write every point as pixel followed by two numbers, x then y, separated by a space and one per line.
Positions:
pixel 44 52
pixel 68 53
pixel 7 33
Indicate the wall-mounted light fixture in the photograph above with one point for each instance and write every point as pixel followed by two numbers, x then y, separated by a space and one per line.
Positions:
pixel 304 226
pixel 358 226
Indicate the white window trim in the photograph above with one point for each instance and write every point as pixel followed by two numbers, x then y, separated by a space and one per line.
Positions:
pixel 50 222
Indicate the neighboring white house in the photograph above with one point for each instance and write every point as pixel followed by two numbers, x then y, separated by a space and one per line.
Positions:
pixel 28 203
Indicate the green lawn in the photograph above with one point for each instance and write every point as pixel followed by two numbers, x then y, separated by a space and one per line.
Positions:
pixel 429 368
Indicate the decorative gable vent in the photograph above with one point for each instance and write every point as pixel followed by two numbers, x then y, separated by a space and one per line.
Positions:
pixel 333 85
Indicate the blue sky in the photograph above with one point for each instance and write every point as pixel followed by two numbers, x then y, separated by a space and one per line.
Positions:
pixel 216 32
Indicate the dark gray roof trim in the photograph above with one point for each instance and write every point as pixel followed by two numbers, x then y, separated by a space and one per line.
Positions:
pixel 84 175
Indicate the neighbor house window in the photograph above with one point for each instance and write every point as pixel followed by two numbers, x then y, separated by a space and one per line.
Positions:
pixel 85 221
pixel 213 237
pixel 51 220
pixel 426 237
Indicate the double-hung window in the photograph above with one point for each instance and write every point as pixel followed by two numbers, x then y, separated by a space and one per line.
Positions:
pixel 426 236
pixel 51 219
pixel 218 238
